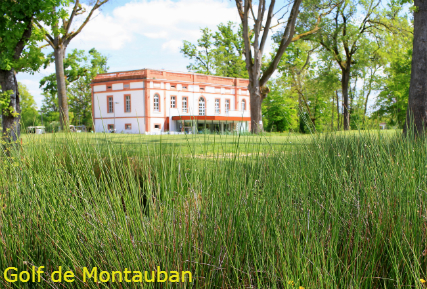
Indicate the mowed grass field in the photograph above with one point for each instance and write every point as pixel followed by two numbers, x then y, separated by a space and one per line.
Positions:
pixel 199 144
pixel 342 210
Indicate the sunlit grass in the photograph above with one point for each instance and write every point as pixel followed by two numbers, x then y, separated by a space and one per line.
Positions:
pixel 343 210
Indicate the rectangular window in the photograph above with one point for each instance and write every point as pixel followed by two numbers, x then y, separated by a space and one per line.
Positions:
pixel 111 127
pixel 157 126
pixel 243 105
pixel 110 104
pixel 184 104
pixel 127 103
pixel 173 101
pixel 109 87
pixel 217 107
pixel 127 85
pixel 227 105
pixel 128 126
pixel 173 86
pixel 156 105
pixel 201 106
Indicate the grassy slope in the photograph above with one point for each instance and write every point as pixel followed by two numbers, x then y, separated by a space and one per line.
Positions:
pixel 331 211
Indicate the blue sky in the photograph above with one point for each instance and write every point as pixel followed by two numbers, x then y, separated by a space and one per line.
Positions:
pixel 137 34
pixel 143 34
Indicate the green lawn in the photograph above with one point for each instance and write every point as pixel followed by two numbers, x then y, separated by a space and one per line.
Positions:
pixel 345 210
pixel 200 144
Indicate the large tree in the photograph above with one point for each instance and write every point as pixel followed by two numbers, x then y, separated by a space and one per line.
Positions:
pixel 254 47
pixel 80 69
pixel 18 52
pixel 345 37
pixel 59 37
pixel 416 115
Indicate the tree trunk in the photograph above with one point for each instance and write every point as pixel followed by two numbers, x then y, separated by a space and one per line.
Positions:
pixel 338 111
pixel 59 52
pixel 344 87
pixel 366 105
pixel 332 118
pixel 416 115
pixel 256 101
pixel 11 126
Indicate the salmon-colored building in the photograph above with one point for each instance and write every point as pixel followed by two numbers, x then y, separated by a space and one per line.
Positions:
pixel 155 101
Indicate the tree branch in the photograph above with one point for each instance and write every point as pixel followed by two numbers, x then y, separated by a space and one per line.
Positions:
pixel 98 4
pixel 25 36
pixel 316 27
pixel 284 43
pixel 267 26
pixel 46 35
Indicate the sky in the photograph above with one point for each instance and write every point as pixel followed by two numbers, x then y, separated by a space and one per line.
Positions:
pixel 138 34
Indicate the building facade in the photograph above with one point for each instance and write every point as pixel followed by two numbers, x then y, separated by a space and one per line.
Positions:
pixel 156 101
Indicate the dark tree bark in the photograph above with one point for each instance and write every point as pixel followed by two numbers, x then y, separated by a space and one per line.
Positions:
pixel 338 111
pixel 10 120
pixel 11 116
pixel 345 81
pixel 332 118
pixel 416 116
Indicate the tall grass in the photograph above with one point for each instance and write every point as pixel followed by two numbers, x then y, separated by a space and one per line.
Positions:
pixel 335 211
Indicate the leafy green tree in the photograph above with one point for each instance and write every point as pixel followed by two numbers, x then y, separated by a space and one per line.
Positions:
pixel 74 68
pixel 59 37
pixel 392 101
pixel 219 53
pixel 19 51
pixel 312 81
pixel 346 39
pixel 50 112
pixel 80 93
pixel 29 113
pixel 80 70
pixel 255 40
pixel 280 107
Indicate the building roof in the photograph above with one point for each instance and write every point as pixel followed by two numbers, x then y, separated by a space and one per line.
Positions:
pixel 172 76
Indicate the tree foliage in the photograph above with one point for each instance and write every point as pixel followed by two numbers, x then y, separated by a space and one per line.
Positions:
pixel 80 69
pixel 59 35
pixel 219 53
pixel 29 113
pixel 19 51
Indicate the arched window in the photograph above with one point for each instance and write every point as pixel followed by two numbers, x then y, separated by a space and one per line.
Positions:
pixel 201 106
pixel 243 105
pixel 156 102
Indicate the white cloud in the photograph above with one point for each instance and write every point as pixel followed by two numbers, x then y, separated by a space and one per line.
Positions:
pixel 103 32
pixel 172 46
pixel 157 19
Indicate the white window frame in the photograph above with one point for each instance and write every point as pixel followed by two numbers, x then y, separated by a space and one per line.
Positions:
pixel 110 104
pixel 173 101
pixel 128 106
pixel 202 106
pixel 217 106
pixel 156 103
pixel 184 104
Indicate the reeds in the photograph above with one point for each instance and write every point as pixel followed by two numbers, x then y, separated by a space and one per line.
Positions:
pixel 328 211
